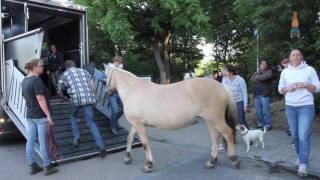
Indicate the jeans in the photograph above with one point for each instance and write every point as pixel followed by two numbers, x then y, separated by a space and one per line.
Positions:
pixel 87 112
pixel 263 110
pixel 300 120
pixel 37 126
pixel 116 109
pixel 241 114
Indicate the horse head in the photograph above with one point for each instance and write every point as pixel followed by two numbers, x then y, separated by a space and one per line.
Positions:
pixel 110 83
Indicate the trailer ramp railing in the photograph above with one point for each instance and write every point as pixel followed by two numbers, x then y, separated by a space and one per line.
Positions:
pixel 15 100
pixel 101 95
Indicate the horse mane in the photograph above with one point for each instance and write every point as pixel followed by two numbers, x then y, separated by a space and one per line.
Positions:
pixel 127 72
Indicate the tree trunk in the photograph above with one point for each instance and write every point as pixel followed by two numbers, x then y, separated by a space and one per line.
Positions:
pixel 166 57
pixel 160 64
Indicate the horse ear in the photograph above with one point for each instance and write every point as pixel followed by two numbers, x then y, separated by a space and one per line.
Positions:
pixel 105 65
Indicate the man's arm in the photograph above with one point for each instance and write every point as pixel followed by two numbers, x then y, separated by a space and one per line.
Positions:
pixel 93 86
pixel 266 75
pixel 60 86
pixel 43 105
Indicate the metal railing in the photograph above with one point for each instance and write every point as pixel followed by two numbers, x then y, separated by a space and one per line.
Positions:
pixel 15 100
pixel 101 95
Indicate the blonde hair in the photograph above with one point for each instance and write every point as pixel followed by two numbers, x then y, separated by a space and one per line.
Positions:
pixel 33 63
pixel 117 59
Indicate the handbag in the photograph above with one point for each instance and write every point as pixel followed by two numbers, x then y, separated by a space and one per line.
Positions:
pixel 51 144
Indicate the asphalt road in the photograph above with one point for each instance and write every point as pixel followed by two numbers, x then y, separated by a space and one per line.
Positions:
pixel 178 155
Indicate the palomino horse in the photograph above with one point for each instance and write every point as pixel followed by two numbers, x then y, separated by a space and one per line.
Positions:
pixel 173 106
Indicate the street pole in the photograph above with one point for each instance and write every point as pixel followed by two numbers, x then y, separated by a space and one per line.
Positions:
pixel 257 37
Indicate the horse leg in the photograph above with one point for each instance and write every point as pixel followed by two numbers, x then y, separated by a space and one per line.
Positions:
pixel 227 133
pixel 215 136
pixel 128 155
pixel 141 130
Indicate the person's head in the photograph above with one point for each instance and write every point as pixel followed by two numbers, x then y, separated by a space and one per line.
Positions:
pixel 295 57
pixel 230 71
pixel 215 74
pixel 118 61
pixel 223 70
pixel 53 48
pixel 69 64
pixel 35 66
pixel 284 62
pixel 264 64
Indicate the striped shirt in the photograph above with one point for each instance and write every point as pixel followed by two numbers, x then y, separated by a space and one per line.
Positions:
pixel 77 83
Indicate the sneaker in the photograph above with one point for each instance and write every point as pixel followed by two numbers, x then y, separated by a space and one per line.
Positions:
pixel 35 168
pixel 221 147
pixel 302 171
pixel 75 143
pixel 296 163
pixel 291 145
pixel 114 131
pixel 50 170
pixel 269 128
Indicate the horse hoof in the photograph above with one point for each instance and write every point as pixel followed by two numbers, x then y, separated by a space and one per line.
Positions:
pixel 236 163
pixel 128 158
pixel 211 163
pixel 148 167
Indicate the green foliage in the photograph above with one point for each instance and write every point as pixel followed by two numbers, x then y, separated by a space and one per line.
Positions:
pixel 135 25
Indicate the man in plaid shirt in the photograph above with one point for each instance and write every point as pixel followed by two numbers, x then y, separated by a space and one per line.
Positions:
pixel 81 88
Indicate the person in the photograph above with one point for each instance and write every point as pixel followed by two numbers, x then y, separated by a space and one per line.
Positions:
pixel 114 99
pixel 217 75
pixel 239 89
pixel 55 66
pixel 283 65
pixel 298 82
pixel 81 89
pixel 262 83
pixel 189 75
pixel 38 115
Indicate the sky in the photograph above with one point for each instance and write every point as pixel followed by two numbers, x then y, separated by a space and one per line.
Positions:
pixel 206 49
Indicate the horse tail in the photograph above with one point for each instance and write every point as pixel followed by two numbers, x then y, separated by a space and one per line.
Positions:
pixel 231 111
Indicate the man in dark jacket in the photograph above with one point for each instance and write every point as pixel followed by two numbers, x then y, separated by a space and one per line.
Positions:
pixel 55 65
pixel 262 84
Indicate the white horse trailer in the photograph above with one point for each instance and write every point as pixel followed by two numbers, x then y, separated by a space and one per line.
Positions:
pixel 28 27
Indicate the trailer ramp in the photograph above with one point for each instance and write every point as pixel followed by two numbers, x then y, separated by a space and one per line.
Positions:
pixel 61 112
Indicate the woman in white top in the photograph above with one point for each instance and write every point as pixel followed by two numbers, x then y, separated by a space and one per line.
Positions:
pixel 298 82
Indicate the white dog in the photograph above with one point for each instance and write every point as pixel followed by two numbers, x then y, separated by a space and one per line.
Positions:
pixel 251 135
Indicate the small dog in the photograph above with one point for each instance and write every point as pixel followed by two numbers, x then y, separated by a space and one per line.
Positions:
pixel 251 135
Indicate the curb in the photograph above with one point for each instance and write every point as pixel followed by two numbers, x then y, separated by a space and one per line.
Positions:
pixel 276 165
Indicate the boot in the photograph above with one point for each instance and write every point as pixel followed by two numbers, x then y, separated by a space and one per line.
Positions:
pixel 76 143
pixel 35 168
pixel 50 170
pixel 102 152
pixel 114 131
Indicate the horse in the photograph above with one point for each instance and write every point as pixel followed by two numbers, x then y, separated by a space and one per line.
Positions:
pixel 173 106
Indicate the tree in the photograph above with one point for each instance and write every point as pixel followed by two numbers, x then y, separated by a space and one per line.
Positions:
pixel 273 18
pixel 150 24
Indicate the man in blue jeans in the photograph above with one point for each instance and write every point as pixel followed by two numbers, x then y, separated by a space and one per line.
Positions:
pixel 114 99
pixel 262 83
pixel 81 89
